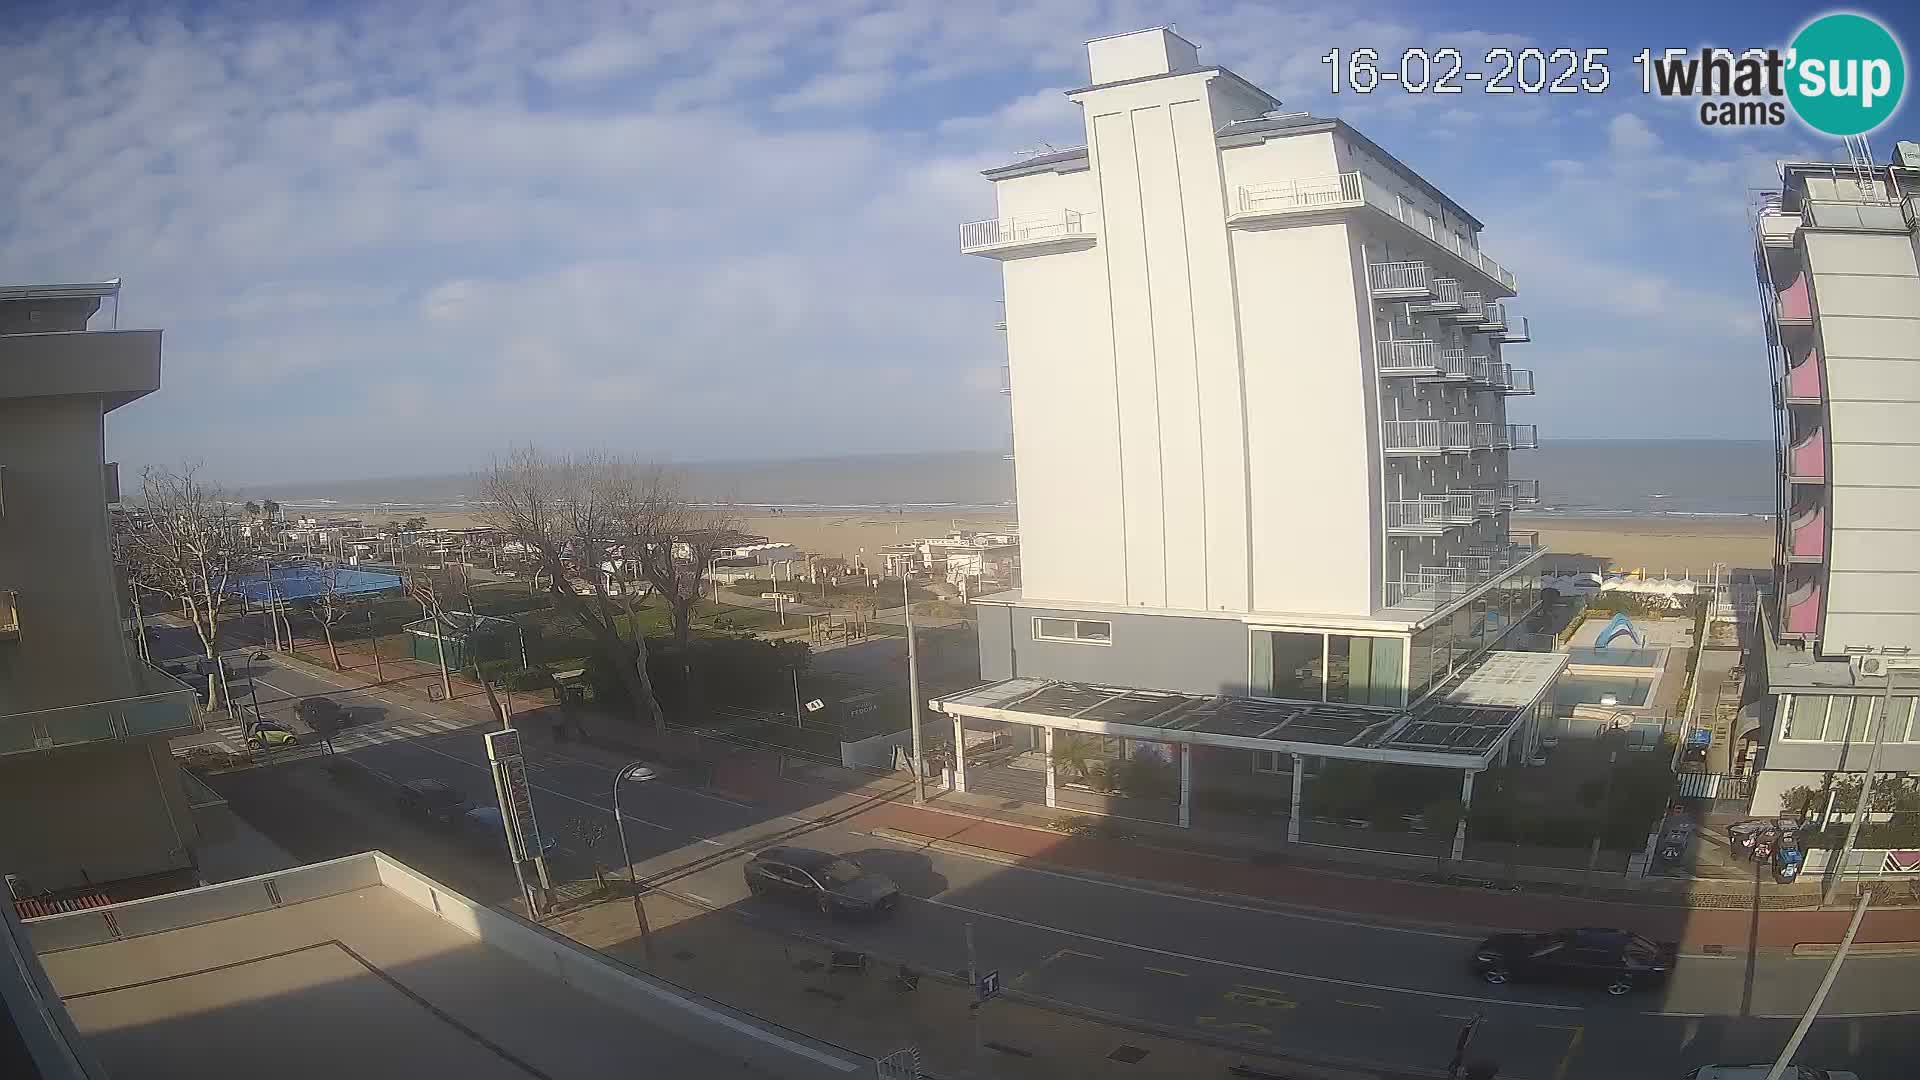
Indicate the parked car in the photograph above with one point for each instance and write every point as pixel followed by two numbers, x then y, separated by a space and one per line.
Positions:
pixel 1761 1071
pixel 1615 959
pixel 833 883
pixel 265 735
pixel 485 825
pixel 432 799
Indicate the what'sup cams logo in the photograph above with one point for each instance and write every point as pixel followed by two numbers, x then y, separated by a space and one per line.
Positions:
pixel 1843 75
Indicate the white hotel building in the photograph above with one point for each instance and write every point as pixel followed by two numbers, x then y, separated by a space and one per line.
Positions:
pixel 1261 441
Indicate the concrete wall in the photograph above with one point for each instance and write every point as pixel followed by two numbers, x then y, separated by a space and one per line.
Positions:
pixel 1155 652
pixel 92 814
pixel 1866 289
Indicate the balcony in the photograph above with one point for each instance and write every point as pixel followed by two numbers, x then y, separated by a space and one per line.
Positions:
pixel 1807 535
pixel 1807 459
pixel 1517 331
pixel 1461 573
pixel 1395 358
pixel 1776 228
pixel 1446 299
pixel 1400 281
pixel 1426 436
pixel 1512 436
pixel 1519 494
pixel 1803 381
pixel 1429 515
pixel 1257 203
pixel 1472 309
pixel 1800 609
pixel 1032 234
pixel 1454 366
pixel 166 709
pixel 1486 499
pixel 1493 318
pixel 1510 380
pixel 1796 303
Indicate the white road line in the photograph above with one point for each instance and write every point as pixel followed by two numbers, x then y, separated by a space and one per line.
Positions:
pixel 1276 912
pixel 1248 967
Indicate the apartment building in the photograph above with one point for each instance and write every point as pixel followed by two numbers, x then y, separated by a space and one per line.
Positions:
pixel 89 793
pixel 1834 251
pixel 1260 384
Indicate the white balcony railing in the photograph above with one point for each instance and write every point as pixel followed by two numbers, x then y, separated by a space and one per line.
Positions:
pixel 1030 229
pixel 1493 316
pixel 1430 513
pixel 1400 279
pixel 1508 379
pixel 1407 357
pixel 1519 436
pixel 1461 573
pixel 1446 298
pixel 168 709
pixel 1517 331
pixel 1354 189
pixel 1519 493
pixel 1427 436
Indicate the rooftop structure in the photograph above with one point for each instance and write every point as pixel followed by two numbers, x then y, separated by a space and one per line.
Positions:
pixel 363 966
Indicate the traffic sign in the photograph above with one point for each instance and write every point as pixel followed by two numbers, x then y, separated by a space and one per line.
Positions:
pixel 989 985
pixel 816 705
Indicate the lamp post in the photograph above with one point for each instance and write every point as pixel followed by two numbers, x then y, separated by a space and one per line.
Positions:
pixel 1838 867
pixel 638 772
pixel 913 695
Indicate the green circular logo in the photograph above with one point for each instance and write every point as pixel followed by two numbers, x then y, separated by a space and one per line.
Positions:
pixel 1846 74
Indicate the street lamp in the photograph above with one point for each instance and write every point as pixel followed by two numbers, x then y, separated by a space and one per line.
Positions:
pixel 637 772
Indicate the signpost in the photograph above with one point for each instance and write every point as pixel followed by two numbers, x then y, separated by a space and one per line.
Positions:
pixel 516 808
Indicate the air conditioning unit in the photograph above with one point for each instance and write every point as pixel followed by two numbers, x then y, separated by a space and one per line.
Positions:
pixel 1879 667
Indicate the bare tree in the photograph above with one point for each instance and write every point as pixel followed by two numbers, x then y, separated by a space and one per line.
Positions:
pixel 331 608
pixel 181 544
pixel 673 540
pixel 567 513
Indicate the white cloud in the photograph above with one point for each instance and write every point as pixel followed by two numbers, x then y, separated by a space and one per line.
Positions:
pixel 1628 134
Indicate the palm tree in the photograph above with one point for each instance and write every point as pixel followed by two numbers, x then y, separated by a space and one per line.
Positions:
pixel 252 508
pixel 1075 755
pixel 271 508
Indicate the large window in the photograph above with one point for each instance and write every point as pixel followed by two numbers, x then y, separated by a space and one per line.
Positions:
pixel 1847 719
pixel 1364 670
pixel 1304 666
pixel 1079 631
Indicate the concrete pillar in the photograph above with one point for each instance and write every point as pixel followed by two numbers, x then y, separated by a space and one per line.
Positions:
pixel 1293 815
pixel 959 756
pixel 1046 743
pixel 1466 804
pixel 1186 785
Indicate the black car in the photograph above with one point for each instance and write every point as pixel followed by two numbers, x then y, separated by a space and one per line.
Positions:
pixel 1616 959
pixel 833 883
pixel 431 799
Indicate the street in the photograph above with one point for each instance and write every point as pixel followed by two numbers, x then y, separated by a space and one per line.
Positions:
pixel 1311 984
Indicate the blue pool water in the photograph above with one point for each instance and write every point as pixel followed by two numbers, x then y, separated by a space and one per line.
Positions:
pixel 1589 689
pixel 1615 657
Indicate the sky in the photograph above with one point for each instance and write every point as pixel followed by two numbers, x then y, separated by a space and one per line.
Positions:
pixel 394 239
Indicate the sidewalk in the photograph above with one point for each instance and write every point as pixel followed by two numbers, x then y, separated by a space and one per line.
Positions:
pixel 794 983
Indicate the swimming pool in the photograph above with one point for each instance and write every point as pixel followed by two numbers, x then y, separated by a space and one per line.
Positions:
pixel 1586 654
pixel 1589 689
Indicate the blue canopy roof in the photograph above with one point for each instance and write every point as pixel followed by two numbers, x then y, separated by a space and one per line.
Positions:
pixel 307 582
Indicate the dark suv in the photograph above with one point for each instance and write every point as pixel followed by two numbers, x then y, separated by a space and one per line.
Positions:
pixel 833 883
pixel 1614 959
pixel 431 799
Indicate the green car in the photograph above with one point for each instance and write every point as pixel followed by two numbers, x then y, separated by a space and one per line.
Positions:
pixel 265 735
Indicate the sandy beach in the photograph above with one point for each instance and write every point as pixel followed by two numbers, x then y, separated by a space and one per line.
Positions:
pixel 1671 545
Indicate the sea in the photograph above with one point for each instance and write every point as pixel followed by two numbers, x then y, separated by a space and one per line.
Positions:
pixel 1645 478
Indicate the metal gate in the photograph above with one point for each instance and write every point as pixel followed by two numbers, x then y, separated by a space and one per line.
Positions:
pixel 900 1065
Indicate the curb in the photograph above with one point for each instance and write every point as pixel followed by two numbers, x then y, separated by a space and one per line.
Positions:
pixel 1860 948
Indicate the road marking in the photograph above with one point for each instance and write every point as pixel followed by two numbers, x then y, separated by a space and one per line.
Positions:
pixel 1169 953
pixel 1218 1024
pixel 565 796
pixel 1265 999
pixel 698 899
pixel 1281 913
pixel 1166 971
pixel 1358 1004
pixel 1573 1048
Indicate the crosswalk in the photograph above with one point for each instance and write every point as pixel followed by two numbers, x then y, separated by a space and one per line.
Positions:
pixel 231 738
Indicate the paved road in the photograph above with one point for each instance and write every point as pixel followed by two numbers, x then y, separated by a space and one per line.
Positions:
pixel 1302 983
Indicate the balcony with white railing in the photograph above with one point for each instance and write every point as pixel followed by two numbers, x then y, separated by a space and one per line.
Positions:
pixel 1400 280
pixel 1426 436
pixel 1519 494
pixel 1510 380
pixel 1429 515
pixel 1472 309
pixel 1258 203
pixel 1514 436
pixel 1459 574
pixel 1446 299
pixel 1493 318
pixel 166 708
pixel 1801 383
pixel 1417 357
pixel 1486 499
pixel 1517 331
pixel 1029 234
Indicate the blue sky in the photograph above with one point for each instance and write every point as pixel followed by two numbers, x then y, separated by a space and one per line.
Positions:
pixel 394 239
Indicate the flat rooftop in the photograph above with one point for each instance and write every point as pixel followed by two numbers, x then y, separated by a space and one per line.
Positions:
pixel 363 967
pixel 1459 727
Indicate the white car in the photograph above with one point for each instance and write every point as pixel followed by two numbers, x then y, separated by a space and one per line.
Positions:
pixel 1759 1072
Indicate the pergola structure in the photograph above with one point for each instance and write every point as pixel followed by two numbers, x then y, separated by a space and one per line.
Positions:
pixel 1480 716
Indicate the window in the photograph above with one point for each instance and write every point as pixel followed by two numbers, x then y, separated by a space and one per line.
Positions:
pixel 1806 717
pixel 1272 761
pixel 1364 670
pixel 1294 664
pixel 1080 631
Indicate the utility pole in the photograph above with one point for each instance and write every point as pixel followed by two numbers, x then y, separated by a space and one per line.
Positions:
pixel 913 698
pixel 1838 868
pixel 1826 983
pixel 973 1006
